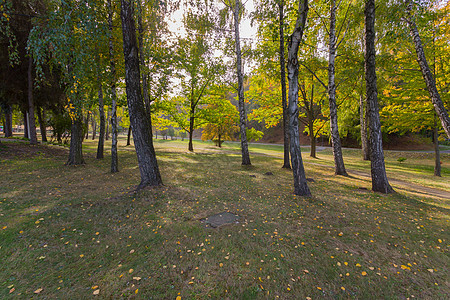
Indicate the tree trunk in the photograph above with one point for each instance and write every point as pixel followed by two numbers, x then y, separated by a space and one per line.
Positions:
pixel 191 128
pixel 107 122
pixel 86 126
pixel 286 163
pixel 42 123
pixel 101 109
pixel 142 61
pixel 363 123
pixel 379 179
pixel 140 122
pixel 31 118
pixel 25 124
pixel 114 155
pixel 8 121
pixel 339 167
pixel 437 160
pixel 300 183
pixel 76 143
pixel 94 127
pixel 129 136
pixel 240 75
pixel 426 73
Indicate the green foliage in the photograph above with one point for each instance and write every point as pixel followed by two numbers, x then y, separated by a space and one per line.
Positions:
pixel 253 134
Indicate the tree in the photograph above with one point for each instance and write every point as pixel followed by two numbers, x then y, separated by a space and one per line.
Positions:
pixel 267 14
pixel 426 71
pixel 220 116
pixel 378 171
pixel 300 184
pixel 237 9
pixel 140 123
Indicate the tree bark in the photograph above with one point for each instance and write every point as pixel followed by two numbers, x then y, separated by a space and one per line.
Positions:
pixel 76 143
pixel 25 124
pixel 142 61
pixel 191 132
pixel 101 110
pixel 140 122
pixel 31 118
pixel 107 122
pixel 94 127
pixel 339 167
pixel 300 184
pixel 114 154
pixel 8 121
pixel 426 73
pixel 363 123
pixel 129 136
pixel 86 126
pixel 378 171
pixel 286 163
pixel 312 140
pixel 42 123
pixel 240 75
pixel 437 156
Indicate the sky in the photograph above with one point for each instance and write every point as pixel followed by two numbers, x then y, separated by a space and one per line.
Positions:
pixel 246 31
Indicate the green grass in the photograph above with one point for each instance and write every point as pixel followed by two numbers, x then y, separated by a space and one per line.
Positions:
pixel 74 230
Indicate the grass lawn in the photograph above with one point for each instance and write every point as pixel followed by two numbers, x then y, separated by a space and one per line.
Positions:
pixel 81 232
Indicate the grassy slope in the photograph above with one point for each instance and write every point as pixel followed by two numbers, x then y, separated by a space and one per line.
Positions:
pixel 73 231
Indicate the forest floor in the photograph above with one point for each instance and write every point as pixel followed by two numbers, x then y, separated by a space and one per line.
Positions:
pixel 80 232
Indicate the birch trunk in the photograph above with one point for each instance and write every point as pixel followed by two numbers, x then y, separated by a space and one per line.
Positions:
pixel 112 63
pixel 339 167
pixel 363 123
pixel 437 156
pixel 31 118
pixel 142 61
pixel 378 171
pixel 300 184
pixel 286 163
pixel 140 122
pixel 426 73
pixel 240 75
pixel 101 110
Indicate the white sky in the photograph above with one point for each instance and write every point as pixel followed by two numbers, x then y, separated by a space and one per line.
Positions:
pixel 246 31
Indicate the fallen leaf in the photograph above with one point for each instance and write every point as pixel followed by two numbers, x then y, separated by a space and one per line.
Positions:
pixel 178 298
pixel 221 265
pixel 81 255
pixel 364 273
pixel 130 271
pixel 342 288
pixel 358 265
pixel 96 292
pixel 430 270
pixel 12 290
pixel 137 278
pixel 132 251
pixel 95 287
pixel 38 291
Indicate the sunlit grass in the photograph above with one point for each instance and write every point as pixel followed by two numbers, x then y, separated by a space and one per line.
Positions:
pixel 73 231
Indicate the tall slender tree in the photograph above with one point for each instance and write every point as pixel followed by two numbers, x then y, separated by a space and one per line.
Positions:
pixel 380 182
pixel 139 121
pixel 300 184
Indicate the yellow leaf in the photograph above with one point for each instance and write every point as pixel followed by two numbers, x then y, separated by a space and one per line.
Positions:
pixel 430 270
pixel 221 265
pixel 95 287
pixel 96 292
pixel 130 271
pixel 319 288
pixel 136 291
pixel 439 240
pixel 178 298
pixel 38 291
pixel 358 265
pixel 342 288
pixel 97 233
pixel 81 255
pixel 137 278
pixel 364 273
